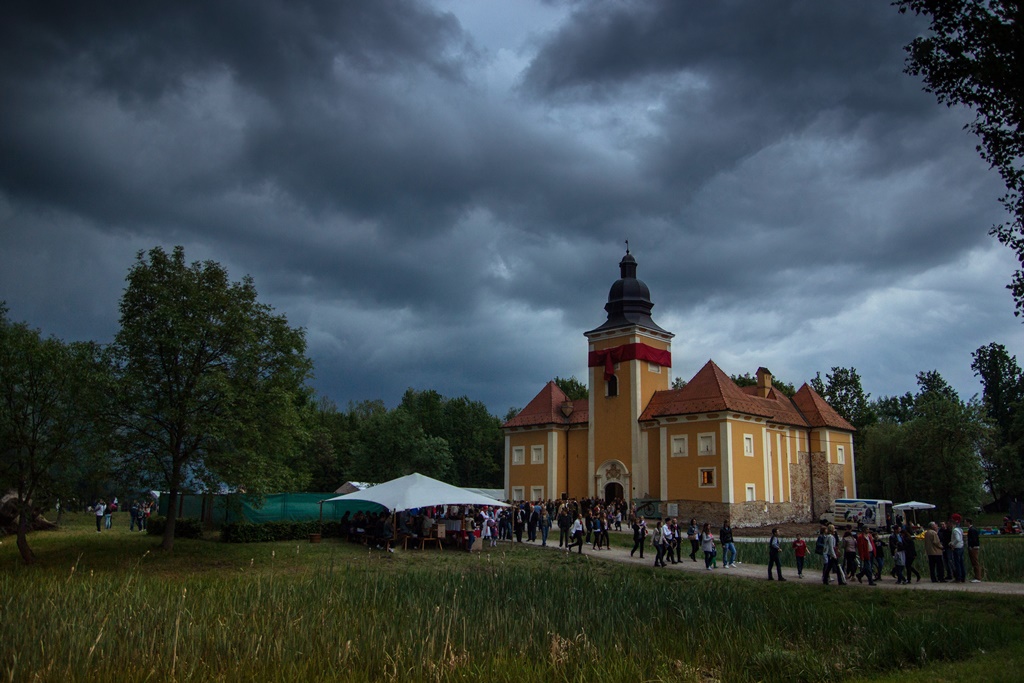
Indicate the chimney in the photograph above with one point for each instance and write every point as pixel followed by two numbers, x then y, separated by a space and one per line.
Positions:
pixel 764 382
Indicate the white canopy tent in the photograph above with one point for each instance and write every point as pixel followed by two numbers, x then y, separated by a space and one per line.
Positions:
pixel 416 491
pixel 913 506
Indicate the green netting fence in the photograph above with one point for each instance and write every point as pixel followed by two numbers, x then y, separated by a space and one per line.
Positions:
pixel 218 509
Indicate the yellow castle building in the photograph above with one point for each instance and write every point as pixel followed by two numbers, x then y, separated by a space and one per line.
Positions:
pixel 710 450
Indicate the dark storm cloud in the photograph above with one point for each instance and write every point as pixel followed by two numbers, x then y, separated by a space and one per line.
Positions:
pixel 444 208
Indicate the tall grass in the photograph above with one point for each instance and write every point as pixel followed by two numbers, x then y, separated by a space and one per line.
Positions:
pixel 291 612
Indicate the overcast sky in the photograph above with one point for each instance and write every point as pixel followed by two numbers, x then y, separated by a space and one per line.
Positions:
pixel 439 192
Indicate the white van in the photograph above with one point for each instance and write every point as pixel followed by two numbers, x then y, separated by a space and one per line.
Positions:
pixel 870 512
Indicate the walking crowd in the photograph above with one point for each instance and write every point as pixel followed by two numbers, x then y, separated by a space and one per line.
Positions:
pixel 845 553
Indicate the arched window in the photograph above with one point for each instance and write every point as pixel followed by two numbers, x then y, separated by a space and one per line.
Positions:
pixel 611 387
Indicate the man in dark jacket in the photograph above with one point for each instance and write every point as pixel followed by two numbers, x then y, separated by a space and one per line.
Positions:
pixel 728 545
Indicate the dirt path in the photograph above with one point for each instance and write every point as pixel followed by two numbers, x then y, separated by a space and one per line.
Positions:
pixel 760 572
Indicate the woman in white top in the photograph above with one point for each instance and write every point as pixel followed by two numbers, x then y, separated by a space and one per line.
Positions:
pixel 576 534
pixel 658 541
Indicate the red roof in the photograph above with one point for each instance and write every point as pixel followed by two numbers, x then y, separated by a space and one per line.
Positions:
pixel 711 390
pixel 546 408
pixel 818 412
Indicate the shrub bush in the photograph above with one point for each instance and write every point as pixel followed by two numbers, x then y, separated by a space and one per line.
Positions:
pixel 184 527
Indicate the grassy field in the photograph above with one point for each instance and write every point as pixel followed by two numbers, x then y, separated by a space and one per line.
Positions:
pixel 111 606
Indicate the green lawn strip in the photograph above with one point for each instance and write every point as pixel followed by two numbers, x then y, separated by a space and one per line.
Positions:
pixel 992 666
pixel 111 606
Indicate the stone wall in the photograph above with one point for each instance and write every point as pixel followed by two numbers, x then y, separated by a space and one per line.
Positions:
pixel 754 513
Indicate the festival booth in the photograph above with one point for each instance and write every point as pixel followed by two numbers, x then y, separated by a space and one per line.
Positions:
pixel 417 491
pixel 913 506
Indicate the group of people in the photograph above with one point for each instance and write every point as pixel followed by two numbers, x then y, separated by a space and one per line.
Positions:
pixel 861 553
pixel 668 542
pixel 140 512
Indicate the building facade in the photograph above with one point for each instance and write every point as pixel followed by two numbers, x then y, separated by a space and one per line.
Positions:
pixel 711 450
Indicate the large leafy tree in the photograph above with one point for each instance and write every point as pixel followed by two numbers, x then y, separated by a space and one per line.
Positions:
pixel 391 443
pixel 1003 398
pixel 974 56
pixel 927 446
pixel 47 411
pixel 473 435
pixel 210 382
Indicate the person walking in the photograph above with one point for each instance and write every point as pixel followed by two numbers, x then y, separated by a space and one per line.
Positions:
pixel 658 541
pixel 799 552
pixel 728 545
pixel 933 550
pixel 576 533
pixel 945 536
pixel 910 552
pixel 956 542
pixel 545 527
pixel 707 544
pixel 866 553
pixel 564 525
pixel 667 538
pixel 899 558
pixel 99 509
pixel 691 535
pixel 774 549
pixel 879 555
pixel 974 550
pixel 639 536
pixel 831 558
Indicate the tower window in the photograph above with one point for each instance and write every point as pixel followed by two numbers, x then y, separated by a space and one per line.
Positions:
pixel 706 444
pixel 611 387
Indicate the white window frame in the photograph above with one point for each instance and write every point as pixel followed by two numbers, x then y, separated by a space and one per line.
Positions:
pixel 705 438
pixel 608 384
pixel 680 445
pixel 751 492
pixel 518 455
pixel 654 367
pixel 841 455
pixel 537 455
pixel 748 445
pixel 518 493
pixel 536 493
pixel 714 477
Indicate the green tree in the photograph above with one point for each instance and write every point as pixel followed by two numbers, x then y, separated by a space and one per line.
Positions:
pixel 974 56
pixel 473 435
pixel 843 391
pixel 1003 398
pixel 47 422
pixel 391 444
pixel 572 387
pixel 210 382
pixel 930 451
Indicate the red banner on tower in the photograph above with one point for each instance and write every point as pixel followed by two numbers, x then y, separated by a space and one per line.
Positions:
pixel 609 357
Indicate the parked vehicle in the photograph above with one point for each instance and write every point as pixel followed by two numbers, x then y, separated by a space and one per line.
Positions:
pixel 874 513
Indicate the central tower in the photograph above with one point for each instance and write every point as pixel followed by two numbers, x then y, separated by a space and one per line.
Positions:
pixel 629 359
